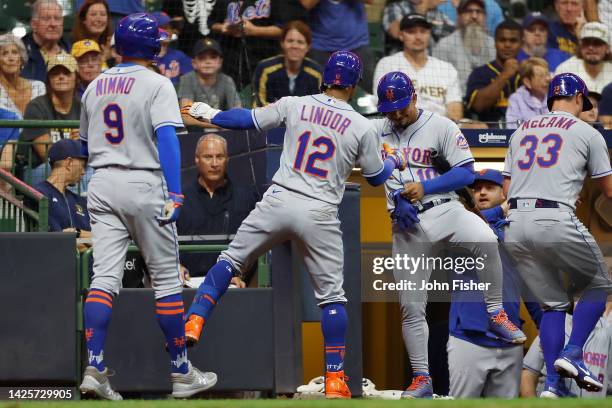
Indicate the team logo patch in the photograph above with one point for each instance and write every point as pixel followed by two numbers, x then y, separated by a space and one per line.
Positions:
pixel 79 210
pixel 389 94
pixel 557 90
pixel 338 79
pixel 462 142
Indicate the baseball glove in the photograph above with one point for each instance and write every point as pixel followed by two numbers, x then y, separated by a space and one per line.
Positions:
pixel 466 195
pixel 404 214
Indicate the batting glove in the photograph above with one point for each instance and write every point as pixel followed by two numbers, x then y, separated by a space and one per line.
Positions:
pixel 396 156
pixel 404 214
pixel 172 209
pixel 200 111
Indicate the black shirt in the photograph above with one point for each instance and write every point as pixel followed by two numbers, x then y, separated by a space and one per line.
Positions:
pixel 272 81
pixel 482 77
pixel 220 214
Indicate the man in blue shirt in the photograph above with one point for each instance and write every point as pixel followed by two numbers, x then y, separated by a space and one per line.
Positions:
pixel 564 33
pixel 481 365
pixel 535 37
pixel 341 25
pixel 67 210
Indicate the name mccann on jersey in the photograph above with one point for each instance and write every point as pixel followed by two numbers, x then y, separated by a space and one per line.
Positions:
pixel 455 284
pixel 560 122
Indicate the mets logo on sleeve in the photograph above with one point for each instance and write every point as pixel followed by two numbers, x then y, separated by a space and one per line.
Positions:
pixel 462 142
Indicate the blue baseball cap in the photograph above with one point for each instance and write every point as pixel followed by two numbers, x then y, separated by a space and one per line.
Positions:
pixel 65 148
pixel 534 17
pixel 494 176
pixel 161 17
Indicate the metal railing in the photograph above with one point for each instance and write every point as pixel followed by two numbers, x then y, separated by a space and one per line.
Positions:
pixel 15 214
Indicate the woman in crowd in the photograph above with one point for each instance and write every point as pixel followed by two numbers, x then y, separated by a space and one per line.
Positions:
pixel 530 99
pixel 15 93
pixel 60 103
pixel 290 73
pixel 93 23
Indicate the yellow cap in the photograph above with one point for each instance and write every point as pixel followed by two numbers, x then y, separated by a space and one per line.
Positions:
pixel 62 59
pixel 82 47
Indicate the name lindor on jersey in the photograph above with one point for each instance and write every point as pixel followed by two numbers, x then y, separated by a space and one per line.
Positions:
pixel 325 117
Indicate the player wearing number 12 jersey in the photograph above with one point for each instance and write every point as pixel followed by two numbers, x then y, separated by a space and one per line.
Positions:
pixel 548 158
pixel 128 119
pixel 324 139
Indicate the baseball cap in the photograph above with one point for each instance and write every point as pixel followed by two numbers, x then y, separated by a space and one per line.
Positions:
pixel 62 59
pixel 82 47
pixel 161 17
pixel 494 176
pixel 414 19
pixel 65 148
pixel 464 3
pixel 531 18
pixel 206 44
pixel 597 30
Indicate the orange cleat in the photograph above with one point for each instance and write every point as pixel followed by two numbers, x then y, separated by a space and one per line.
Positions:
pixel 193 329
pixel 335 385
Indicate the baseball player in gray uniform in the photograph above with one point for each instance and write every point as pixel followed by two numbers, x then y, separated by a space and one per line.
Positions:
pixel 596 352
pixel 417 134
pixel 548 158
pixel 128 119
pixel 324 138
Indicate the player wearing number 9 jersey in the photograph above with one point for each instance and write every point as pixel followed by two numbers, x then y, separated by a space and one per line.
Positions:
pixel 128 119
pixel 324 138
pixel 548 158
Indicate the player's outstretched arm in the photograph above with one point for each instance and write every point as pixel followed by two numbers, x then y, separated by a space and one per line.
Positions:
pixel 170 161
pixel 454 179
pixel 237 118
pixel 394 160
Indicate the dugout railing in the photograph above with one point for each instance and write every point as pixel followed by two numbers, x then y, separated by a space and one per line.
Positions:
pixel 15 214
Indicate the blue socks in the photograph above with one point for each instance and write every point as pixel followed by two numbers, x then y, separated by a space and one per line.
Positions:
pixel 170 311
pixel 333 325
pixel 588 311
pixel 552 338
pixel 215 284
pixel 97 311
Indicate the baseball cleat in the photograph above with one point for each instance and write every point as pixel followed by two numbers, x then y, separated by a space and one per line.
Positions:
pixel 570 364
pixel 502 327
pixel 555 388
pixel 193 329
pixel 95 383
pixel 335 385
pixel 195 381
pixel 420 387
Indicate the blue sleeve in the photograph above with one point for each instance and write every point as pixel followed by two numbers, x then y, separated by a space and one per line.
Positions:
pixel 452 180
pixel 170 157
pixel 377 180
pixel 84 148
pixel 237 118
pixel 493 214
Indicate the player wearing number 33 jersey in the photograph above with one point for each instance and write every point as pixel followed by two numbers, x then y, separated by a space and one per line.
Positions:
pixel 548 158
pixel 324 138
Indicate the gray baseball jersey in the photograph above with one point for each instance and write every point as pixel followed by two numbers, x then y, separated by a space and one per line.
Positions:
pixel 596 351
pixel 550 155
pixel 430 132
pixel 324 138
pixel 548 158
pixel 448 222
pixel 121 109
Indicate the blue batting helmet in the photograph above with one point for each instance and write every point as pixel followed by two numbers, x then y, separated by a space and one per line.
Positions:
pixel 568 84
pixel 395 91
pixel 343 69
pixel 138 36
